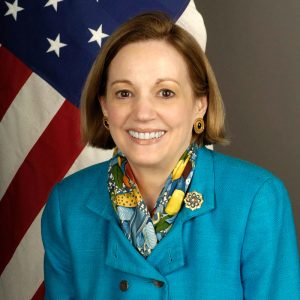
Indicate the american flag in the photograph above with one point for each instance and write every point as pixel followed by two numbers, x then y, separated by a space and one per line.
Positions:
pixel 47 48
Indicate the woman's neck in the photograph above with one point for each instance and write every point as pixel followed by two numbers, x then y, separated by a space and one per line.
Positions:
pixel 150 182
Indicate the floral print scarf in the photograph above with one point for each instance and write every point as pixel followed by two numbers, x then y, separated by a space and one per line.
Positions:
pixel 143 230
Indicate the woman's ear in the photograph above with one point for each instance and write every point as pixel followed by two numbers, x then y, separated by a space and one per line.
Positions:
pixel 102 102
pixel 201 106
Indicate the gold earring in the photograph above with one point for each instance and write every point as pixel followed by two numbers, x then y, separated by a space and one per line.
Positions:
pixel 199 126
pixel 105 122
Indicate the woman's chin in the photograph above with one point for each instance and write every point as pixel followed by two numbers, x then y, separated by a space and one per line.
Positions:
pixel 146 160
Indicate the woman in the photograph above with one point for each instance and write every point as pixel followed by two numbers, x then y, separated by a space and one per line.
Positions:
pixel 165 218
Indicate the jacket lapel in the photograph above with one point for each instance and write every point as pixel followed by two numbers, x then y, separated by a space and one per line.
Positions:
pixel 98 200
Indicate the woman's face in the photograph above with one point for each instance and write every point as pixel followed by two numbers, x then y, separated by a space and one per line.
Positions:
pixel 150 104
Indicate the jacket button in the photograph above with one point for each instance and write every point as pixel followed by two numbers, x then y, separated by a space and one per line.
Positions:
pixel 158 283
pixel 124 285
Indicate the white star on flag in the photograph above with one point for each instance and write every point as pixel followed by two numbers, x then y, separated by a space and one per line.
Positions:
pixel 13 9
pixel 97 35
pixel 53 3
pixel 55 45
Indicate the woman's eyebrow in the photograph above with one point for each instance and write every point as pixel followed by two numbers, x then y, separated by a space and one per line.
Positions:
pixel 121 81
pixel 158 81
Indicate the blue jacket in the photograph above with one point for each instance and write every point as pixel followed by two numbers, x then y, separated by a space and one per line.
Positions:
pixel 240 244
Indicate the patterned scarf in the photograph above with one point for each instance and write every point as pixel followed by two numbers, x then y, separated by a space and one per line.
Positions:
pixel 142 230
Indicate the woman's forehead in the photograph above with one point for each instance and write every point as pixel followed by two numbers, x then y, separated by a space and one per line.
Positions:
pixel 154 58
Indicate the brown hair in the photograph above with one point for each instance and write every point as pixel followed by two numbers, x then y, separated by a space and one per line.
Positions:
pixel 151 26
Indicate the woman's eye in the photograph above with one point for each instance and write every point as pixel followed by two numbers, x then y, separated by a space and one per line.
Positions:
pixel 165 93
pixel 123 94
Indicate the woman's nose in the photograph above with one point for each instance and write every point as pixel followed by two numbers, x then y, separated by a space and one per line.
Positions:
pixel 144 109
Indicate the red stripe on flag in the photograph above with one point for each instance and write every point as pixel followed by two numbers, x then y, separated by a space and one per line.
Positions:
pixel 13 75
pixel 47 162
pixel 40 293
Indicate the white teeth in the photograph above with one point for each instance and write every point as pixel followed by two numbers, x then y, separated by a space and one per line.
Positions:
pixel 152 135
pixel 146 135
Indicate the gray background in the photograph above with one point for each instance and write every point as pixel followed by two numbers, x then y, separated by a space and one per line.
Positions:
pixel 254 48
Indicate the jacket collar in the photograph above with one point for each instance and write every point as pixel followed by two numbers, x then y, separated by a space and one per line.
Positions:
pixel 202 182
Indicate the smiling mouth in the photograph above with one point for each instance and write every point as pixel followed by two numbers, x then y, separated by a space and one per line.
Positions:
pixel 146 135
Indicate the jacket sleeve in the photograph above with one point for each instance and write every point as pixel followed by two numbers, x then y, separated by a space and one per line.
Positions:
pixel 270 259
pixel 57 265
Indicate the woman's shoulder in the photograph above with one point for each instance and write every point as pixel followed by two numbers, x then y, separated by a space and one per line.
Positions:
pixel 73 192
pixel 243 175
pixel 235 166
pixel 245 186
pixel 84 180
